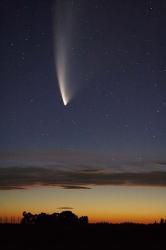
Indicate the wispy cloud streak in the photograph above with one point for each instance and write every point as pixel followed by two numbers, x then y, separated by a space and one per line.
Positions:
pixel 27 177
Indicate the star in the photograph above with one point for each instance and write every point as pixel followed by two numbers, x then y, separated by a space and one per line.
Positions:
pixel 44 134
pixel 12 44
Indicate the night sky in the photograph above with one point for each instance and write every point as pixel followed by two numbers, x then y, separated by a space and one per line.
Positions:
pixel 110 138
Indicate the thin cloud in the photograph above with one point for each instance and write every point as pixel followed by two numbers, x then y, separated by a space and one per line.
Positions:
pixel 80 160
pixel 89 170
pixel 65 208
pixel 75 187
pixel 10 188
pixel 163 163
pixel 27 177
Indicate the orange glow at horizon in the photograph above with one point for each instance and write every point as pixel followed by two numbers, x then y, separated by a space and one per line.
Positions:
pixel 101 218
pixel 100 204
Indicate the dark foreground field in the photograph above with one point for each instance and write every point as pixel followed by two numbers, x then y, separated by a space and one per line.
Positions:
pixel 100 236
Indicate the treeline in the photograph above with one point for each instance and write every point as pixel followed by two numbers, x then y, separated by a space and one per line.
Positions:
pixel 63 218
pixel 9 220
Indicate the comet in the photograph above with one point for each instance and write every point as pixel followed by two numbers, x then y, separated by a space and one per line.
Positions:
pixel 61 68
pixel 63 42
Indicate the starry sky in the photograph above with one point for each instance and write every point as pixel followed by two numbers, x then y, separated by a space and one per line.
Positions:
pixel 109 141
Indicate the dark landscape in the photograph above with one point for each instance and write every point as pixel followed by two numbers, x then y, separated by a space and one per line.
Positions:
pixel 70 234
pixel 92 236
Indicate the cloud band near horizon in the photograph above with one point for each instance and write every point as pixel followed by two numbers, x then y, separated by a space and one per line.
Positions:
pixel 27 177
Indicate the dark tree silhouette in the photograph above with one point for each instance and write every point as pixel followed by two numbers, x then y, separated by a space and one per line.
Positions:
pixel 63 218
pixel 67 217
pixel 28 218
pixel 83 220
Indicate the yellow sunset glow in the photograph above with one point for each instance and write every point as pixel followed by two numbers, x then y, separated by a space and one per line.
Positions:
pixel 100 204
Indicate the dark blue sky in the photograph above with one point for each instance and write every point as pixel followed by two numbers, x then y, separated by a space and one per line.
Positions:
pixel 119 52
